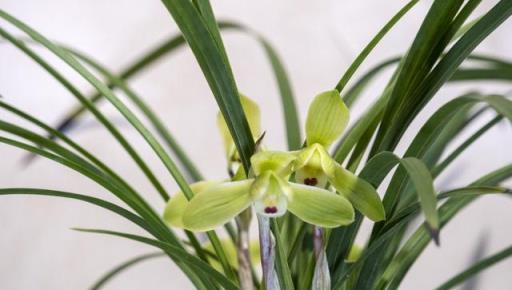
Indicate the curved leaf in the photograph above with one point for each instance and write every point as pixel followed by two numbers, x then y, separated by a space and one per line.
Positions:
pixel 371 45
pixel 89 199
pixel 207 47
pixel 74 91
pixel 174 252
pixel 477 268
pixel 420 176
pixel 125 265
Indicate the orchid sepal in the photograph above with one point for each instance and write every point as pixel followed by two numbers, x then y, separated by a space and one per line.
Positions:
pixel 176 206
pixel 327 118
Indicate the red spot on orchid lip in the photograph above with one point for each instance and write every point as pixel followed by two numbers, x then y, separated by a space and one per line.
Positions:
pixel 311 181
pixel 270 209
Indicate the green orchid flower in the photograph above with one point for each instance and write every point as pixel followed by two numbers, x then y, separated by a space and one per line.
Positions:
pixel 327 118
pixel 176 206
pixel 252 113
pixel 173 213
pixel 271 195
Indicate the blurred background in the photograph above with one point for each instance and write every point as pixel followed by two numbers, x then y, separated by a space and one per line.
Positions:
pixel 317 40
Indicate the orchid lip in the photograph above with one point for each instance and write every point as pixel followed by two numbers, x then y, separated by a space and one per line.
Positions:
pixel 312 181
pixel 271 209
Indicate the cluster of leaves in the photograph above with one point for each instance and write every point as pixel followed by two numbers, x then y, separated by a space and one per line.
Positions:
pixel 443 42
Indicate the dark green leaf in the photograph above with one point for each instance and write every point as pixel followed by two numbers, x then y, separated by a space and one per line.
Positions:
pixel 74 91
pixel 407 108
pixel 176 253
pixel 89 199
pixel 371 45
pixel 476 268
pixel 211 58
pixel 120 268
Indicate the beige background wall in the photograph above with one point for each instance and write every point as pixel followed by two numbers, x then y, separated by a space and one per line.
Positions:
pixel 317 40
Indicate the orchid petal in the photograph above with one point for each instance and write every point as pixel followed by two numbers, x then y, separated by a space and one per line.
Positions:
pixel 360 193
pixel 279 162
pixel 217 205
pixel 270 194
pixel 319 207
pixel 313 165
pixel 178 203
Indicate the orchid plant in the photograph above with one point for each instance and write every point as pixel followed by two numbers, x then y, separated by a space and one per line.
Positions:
pixel 311 198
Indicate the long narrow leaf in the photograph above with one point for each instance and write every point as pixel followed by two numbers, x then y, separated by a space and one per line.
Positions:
pixel 423 182
pixel 211 58
pixel 415 245
pixel 472 193
pixel 148 112
pixel 76 93
pixel 89 199
pixel 426 48
pixel 127 113
pixel 476 268
pixel 371 45
pixel 445 69
pixel 120 268
pixel 175 252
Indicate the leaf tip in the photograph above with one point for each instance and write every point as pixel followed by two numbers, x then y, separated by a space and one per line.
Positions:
pixel 27 160
pixel 434 234
pixel 258 142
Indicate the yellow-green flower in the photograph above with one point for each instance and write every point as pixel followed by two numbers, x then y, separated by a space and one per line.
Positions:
pixel 175 208
pixel 327 118
pixel 270 192
pixel 252 113
pixel 271 195
pixel 173 213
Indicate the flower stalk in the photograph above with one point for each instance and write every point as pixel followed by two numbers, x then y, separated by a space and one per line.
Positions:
pixel 243 222
pixel 321 276
pixel 268 255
